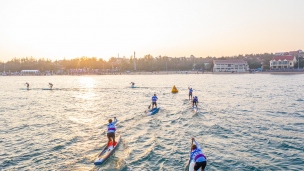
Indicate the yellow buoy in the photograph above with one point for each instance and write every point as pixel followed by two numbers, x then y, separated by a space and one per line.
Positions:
pixel 174 89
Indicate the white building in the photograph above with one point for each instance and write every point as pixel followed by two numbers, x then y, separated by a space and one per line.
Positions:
pixel 234 65
pixel 29 72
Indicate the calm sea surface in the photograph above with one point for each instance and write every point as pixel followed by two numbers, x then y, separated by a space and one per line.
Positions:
pixel 245 122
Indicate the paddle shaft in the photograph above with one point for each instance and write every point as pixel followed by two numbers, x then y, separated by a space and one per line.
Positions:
pixel 190 152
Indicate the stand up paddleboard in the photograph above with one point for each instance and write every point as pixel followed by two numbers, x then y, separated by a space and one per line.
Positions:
pixel 107 152
pixel 191 166
pixel 195 109
pixel 153 111
pixel 24 89
pixel 46 89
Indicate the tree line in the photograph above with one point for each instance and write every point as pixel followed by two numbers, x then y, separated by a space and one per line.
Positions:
pixel 146 63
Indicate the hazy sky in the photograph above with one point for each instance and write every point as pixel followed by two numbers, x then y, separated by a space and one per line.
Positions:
pixel 104 28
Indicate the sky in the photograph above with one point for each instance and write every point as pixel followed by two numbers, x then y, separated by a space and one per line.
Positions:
pixel 58 29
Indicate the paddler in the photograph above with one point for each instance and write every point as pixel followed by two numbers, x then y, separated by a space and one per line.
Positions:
pixel 195 101
pixel 27 85
pixel 198 156
pixel 111 130
pixel 132 83
pixel 190 92
pixel 154 99
pixel 51 85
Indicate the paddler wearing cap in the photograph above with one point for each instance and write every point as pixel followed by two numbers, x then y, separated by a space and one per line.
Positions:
pixel 198 156
pixel 111 130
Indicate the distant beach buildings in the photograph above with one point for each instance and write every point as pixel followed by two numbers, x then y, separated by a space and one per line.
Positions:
pixel 285 60
pixel 29 72
pixel 230 66
pixel 291 61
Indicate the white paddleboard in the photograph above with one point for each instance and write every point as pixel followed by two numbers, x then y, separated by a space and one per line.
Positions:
pixel 195 109
pixel 191 166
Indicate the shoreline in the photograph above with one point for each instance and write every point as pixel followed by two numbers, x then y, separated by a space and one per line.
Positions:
pixel 163 73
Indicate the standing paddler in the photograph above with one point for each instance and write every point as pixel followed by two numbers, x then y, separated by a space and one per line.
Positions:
pixel 198 156
pixel 27 85
pixel 50 85
pixel 195 101
pixel 111 131
pixel 154 99
pixel 190 93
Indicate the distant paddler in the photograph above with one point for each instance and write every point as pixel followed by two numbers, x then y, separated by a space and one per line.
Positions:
pixel 111 131
pixel 174 89
pixel 132 84
pixel 195 101
pixel 154 99
pixel 27 85
pixel 50 85
pixel 190 93
pixel 197 156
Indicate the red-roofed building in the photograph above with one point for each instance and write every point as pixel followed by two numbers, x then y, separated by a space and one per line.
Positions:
pixel 283 61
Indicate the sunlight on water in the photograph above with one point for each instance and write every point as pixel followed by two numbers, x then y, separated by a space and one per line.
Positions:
pixel 86 82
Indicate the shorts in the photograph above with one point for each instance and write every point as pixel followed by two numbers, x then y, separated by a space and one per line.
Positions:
pixel 111 135
pixel 200 165
pixel 190 94
pixel 153 103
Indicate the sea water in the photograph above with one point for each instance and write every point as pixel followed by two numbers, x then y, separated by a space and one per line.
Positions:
pixel 245 122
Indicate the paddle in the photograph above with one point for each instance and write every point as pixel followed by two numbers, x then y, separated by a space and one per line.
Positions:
pixel 187 166
pixel 148 108
pixel 191 148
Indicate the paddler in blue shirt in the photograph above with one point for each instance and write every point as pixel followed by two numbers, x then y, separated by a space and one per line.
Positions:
pixel 190 93
pixel 154 99
pixel 198 156
pixel 111 130
pixel 195 101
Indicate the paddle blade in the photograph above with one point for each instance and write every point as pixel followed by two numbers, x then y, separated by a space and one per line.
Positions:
pixel 149 107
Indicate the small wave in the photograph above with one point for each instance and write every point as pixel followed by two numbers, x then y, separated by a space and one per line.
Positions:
pixel 58 147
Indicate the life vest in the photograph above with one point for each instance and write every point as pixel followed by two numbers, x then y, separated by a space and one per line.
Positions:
pixel 196 154
pixel 154 99
pixel 111 128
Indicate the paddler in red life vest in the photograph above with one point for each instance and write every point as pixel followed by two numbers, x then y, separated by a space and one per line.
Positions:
pixel 111 130
pixel 198 156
